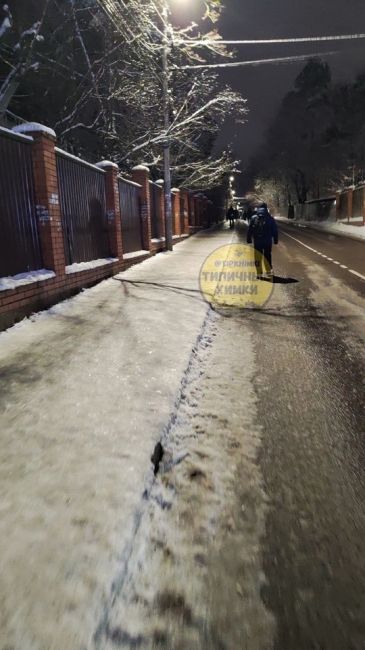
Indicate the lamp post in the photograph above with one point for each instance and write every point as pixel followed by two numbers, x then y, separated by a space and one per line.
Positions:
pixel 231 192
pixel 166 110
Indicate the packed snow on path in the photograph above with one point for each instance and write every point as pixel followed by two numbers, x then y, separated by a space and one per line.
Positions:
pixel 195 575
pixel 87 389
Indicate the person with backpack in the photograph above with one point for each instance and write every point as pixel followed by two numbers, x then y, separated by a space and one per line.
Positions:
pixel 230 216
pixel 263 231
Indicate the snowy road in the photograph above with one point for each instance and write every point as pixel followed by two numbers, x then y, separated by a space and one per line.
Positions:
pixel 310 348
pixel 251 535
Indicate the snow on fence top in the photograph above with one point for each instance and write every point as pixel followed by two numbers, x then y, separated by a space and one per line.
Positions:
pixel 107 163
pixel 33 127
pixel 16 136
pixel 156 183
pixel 141 168
pixel 126 180
pixel 65 154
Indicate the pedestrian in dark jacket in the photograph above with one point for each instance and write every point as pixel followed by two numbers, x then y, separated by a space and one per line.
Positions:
pixel 263 231
pixel 230 216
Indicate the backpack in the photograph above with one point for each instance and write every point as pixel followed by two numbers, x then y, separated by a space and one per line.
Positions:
pixel 260 226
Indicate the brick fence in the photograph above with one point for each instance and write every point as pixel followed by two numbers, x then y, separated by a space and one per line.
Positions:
pixel 347 206
pixel 26 292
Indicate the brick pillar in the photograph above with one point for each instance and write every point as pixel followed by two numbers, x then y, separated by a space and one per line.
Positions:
pixel 113 207
pixel 191 213
pixel 141 175
pixel 176 210
pixel 185 198
pixel 350 203
pixel 161 199
pixel 46 195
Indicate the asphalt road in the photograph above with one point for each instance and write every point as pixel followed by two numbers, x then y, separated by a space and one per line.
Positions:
pixel 251 535
pixel 309 345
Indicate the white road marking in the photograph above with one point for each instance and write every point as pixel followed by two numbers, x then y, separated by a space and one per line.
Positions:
pixel 357 274
pixel 329 259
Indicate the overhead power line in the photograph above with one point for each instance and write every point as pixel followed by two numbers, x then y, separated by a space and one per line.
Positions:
pixel 237 64
pixel 273 41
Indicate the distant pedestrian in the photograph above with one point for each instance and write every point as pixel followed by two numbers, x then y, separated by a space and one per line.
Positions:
pixel 230 216
pixel 263 231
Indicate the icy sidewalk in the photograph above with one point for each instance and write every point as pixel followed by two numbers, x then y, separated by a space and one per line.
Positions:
pixel 87 389
pixel 195 573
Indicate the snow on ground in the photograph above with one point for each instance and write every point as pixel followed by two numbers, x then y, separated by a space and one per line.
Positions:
pixel 195 574
pixel 131 256
pixel 77 267
pixel 15 281
pixel 335 227
pixel 87 388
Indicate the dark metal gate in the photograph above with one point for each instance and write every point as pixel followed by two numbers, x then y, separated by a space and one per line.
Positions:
pixel 131 216
pixel 156 213
pixel 343 206
pixel 84 219
pixel 358 202
pixel 19 239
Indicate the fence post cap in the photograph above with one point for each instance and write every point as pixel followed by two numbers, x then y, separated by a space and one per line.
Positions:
pixel 34 127
pixel 140 168
pixel 175 190
pixel 107 163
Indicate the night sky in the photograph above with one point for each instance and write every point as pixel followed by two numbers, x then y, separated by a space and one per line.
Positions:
pixel 264 87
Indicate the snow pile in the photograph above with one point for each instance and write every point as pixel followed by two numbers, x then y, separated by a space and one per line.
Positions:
pixel 130 256
pixel 77 267
pixel 337 228
pixel 34 127
pixel 15 281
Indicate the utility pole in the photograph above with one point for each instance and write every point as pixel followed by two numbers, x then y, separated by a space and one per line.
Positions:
pixel 166 109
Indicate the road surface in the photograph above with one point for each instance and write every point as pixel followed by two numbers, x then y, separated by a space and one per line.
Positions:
pixel 251 535
pixel 310 350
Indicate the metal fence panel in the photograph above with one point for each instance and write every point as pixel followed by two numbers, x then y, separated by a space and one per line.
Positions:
pixel 131 217
pixel 358 202
pixel 156 213
pixel 321 210
pixel 20 249
pixel 343 206
pixel 83 208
